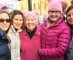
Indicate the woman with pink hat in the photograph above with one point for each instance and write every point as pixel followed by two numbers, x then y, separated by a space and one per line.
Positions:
pixel 55 34
pixel 30 37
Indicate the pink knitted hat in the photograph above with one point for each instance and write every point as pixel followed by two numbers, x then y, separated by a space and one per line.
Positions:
pixel 58 0
pixel 55 5
pixel 32 13
pixel 1 5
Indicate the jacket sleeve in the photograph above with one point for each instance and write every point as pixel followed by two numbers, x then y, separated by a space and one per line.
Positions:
pixel 63 43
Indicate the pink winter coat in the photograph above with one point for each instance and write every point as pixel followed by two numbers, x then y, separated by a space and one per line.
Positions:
pixel 54 41
pixel 30 47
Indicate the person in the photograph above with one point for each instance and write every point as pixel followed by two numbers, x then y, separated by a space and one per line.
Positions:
pixel 69 20
pixel 30 37
pixel 5 22
pixel 55 34
pixel 17 18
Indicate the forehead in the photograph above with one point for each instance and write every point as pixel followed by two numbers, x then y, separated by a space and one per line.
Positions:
pixel 4 15
pixel 70 12
pixel 29 16
pixel 53 9
pixel 18 16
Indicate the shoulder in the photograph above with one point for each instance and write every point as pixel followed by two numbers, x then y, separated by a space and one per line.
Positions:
pixel 39 27
pixel 64 25
pixel 23 32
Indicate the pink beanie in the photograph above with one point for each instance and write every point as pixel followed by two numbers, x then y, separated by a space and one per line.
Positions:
pixel 55 5
pixel 32 13
pixel 58 0
pixel 1 5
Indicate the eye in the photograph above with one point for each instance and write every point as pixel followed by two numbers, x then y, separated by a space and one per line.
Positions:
pixel 19 19
pixel 68 15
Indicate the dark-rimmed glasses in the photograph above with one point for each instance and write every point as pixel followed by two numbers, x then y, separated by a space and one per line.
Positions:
pixel 56 12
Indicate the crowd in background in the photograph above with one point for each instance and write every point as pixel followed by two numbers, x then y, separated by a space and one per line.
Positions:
pixel 23 37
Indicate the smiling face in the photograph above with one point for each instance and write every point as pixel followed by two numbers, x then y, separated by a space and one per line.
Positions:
pixel 54 15
pixel 18 21
pixel 70 17
pixel 4 21
pixel 30 22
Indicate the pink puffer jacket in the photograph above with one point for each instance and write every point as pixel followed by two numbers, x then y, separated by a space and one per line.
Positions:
pixel 30 47
pixel 54 41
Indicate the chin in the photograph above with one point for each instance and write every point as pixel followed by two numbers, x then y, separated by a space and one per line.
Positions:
pixel 54 19
pixel 5 29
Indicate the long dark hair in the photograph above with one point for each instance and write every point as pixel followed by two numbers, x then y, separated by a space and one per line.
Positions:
pixel 68 9
pixel 17 12
pixel 4 11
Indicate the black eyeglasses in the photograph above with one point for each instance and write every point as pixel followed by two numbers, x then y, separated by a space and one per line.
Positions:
pixel 51 12
pixel 7 20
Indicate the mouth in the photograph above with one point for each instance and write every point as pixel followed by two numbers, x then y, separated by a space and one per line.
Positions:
pixel 52 16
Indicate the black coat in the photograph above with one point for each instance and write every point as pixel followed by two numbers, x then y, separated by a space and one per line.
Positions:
pixel 4 48
pixel 70 52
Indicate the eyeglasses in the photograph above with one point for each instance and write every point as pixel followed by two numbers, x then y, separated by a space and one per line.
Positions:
pixel 51 12
pixel 29 19
pixel 7 20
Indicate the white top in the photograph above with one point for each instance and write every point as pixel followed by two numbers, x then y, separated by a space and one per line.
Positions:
pixel 15 43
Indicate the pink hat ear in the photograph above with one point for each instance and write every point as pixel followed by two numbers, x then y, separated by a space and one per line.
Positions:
pixel 1 5
pixel 35 13
pixel 62 0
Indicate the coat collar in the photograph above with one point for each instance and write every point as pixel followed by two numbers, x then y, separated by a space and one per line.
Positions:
pixel 56 23
pixel 14 29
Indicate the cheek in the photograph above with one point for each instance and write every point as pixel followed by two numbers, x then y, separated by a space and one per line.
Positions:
pixel 26 23
pixel 21 22
pixel 70 21
pixel 14 23
pixel 4 26
pixel 7 25
pixel 0 25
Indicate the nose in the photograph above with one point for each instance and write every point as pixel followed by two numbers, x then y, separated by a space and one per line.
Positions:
pixel 19 21
pixel 53 13
pixel 5 22
pixel 30 21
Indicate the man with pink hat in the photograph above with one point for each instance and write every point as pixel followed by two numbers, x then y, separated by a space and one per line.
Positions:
pixel 55 34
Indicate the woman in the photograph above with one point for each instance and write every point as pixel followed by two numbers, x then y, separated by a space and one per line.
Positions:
pixel 30 37
pixel 17 23
pixel 55 34
pixel 69 17
pixel 4 26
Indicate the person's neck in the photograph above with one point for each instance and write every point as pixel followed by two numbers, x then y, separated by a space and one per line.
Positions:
pixel 30 30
